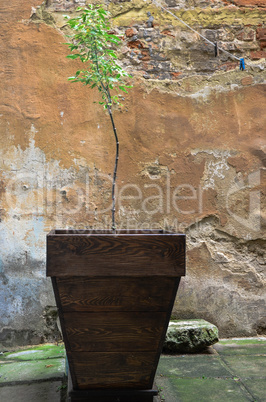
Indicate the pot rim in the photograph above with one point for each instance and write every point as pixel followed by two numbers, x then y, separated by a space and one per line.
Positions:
pixel 109 232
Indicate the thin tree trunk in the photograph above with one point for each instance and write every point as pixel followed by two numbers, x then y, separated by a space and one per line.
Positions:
pixel 115 169
pixel 109 107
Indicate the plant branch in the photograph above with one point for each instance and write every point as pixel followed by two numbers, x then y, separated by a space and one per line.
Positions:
pixel 115 168
pixel 94 44
pixel 98 70
pixel 109 107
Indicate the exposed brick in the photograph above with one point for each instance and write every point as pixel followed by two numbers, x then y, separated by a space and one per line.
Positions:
pixel 247 3
pixel 230 65
pixel 131 32
pixel 135 44
pixel 263 44
pixel 158 48
pixel 260 54
pixel 175 75
pixel 261 37
pixel 261 33
pixel 247 34
pixel 145 55
pixel 167 32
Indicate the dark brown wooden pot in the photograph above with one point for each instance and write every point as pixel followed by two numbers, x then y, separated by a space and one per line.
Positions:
pixel 115 294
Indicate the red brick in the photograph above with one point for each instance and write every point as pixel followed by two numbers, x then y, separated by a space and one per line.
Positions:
pixel 135 44
pixel 131 32
pixel 146 55
pixel 261 33
pixel 261 37
pixel 167 32
pixel 259 54
pixel 246 35
pixel 248 3
pixel 175 75
pixel 230 65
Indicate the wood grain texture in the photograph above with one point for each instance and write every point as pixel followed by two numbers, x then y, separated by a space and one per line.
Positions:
pixel 116 331
pixel 108 254
pixel 115 294
pixel 113 369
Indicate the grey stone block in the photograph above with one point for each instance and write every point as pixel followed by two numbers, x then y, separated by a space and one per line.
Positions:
pixel 189 336
pixel 32 392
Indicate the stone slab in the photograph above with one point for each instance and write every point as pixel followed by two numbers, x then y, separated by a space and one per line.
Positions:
pixel 249 366
pixel 31 370
pixel 257 387
pixel 189 336
pixel 192 366
pixel 241 347
pixel 201 390
pixel 47 351
pixel 32 392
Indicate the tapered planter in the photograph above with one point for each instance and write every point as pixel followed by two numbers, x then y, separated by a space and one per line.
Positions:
pixel 114 294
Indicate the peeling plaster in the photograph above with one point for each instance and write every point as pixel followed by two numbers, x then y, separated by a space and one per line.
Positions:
pixel 214 253
pixel 215 170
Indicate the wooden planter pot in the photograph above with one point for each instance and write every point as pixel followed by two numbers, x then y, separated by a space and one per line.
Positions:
pixel 115 294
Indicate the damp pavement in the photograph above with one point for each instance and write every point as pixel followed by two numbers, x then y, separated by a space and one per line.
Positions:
pixel 232 370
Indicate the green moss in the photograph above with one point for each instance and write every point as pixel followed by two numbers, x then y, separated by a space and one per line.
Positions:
pixel 250 341
pixel 41 352
pixel 202 390
pixel 32 370
pixel 192 366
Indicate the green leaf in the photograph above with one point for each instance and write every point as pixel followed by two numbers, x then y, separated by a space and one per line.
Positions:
pixel 112 54
pixel 73 56
pixel 97 47
pixel 123 88
pixel 73 79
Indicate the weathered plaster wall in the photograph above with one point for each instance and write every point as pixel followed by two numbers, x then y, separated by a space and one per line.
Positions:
pixel 192 135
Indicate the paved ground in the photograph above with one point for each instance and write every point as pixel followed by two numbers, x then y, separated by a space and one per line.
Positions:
pixel 36 374
pixel 233 370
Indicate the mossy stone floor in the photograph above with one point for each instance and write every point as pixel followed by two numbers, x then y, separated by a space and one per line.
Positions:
pixel 232 370
pixel 235 370
pixel 33 374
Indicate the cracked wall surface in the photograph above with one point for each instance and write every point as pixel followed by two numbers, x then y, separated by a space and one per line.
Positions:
pixel 192 136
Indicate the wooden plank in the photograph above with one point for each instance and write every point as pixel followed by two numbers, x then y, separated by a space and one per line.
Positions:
pixel 109 394
pixel 108 231
pixel 63 328
pixel 115 293
pixel 111 254
pixel 114 331
pixel 164 330
pixel 114 370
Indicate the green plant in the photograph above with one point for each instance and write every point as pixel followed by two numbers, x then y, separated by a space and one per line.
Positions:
pixel 94 44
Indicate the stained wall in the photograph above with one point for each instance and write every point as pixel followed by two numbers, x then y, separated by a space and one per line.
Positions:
pixel 192 137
